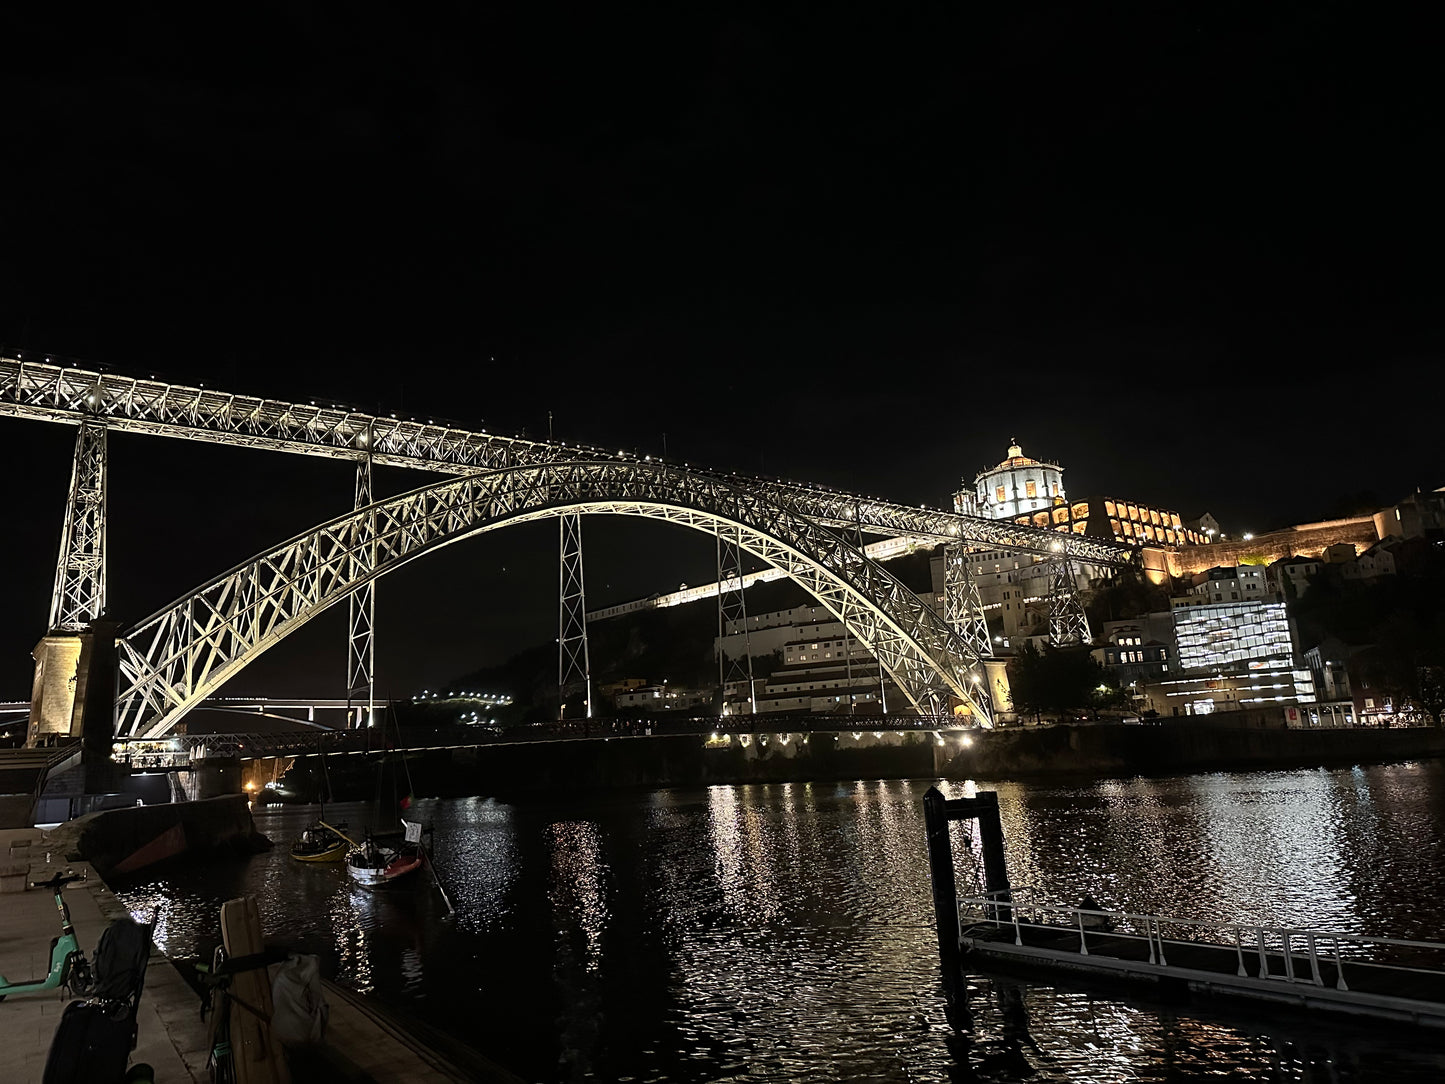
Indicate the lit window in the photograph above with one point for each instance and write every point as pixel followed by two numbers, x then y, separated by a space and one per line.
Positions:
pixel 1031 489
pixel 999 493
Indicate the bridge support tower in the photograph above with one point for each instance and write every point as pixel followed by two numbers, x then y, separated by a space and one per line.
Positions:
pixel 732 606
pixel 1068 624
pixel 79 595
pixel 962 606
pixel 573 663
pixel 361 638
pixel 73 695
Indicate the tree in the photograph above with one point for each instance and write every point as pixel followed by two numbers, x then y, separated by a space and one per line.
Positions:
pixel 1431 684
pixel 1060 681
pixel 1125 595
pixel 1026 681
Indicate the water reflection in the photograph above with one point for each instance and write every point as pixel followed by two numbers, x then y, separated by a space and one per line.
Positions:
pixel 784 933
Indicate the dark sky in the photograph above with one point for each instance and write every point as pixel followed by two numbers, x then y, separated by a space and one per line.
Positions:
pixel 1189 251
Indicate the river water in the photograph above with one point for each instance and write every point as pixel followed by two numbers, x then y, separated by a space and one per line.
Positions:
pixel 785 932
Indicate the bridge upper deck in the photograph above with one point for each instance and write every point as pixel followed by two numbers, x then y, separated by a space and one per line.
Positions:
pixel 50 392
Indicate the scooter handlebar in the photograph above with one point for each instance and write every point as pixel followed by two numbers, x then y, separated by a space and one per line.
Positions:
pixel 59 880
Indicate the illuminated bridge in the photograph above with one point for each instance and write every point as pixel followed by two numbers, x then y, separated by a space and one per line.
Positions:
pixel 167 664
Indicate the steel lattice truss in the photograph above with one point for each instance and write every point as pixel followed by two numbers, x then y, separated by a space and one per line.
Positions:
pixel 962 606
pixel 1068 624
pixel 174 659
pixel 361 622
pixel 54 393
pixel 732 605
pixel 574 666
pixel 79 594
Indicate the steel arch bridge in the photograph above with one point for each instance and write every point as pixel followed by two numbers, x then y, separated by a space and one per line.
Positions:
pixel 174 659
pixel 814 534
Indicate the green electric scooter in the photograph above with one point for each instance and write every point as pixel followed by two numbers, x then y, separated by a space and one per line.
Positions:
pixel 68 965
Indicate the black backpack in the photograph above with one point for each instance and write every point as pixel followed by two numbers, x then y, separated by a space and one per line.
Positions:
pixel 120 962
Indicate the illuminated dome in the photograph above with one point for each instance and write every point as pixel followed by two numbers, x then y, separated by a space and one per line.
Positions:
pixel 1015 487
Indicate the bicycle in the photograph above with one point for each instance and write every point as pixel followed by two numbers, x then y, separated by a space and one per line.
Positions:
pixel 217 998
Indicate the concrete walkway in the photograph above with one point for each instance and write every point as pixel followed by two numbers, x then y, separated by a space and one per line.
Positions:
pixel 171 1038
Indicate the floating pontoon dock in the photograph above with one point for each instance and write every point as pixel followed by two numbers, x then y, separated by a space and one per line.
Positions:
pixel 1174 959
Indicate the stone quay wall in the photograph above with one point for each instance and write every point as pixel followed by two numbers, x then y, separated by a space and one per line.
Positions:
pixel 1096 750
pixel 1114 750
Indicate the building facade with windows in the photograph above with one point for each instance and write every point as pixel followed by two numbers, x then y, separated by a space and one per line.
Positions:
pixel 1140 659
pixel 1117 519
pixel 1017 486
pixel 1237 583
pixel 1234 655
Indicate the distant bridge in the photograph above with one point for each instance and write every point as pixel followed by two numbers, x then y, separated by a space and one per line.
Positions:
pixel 271 706
pixel 181 750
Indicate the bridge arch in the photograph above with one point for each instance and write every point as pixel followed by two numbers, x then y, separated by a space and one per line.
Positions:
pixel 174 659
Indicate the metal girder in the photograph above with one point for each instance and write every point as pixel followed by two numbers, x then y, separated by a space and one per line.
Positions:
pixel 962 606
pixel 175 658
pixel 55 393
pixel 79 595
pixel 361 622
pixel 573 663
pixel 732 605
pixel 1068 624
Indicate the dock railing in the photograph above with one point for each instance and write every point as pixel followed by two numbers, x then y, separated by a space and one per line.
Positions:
pixel 1284 954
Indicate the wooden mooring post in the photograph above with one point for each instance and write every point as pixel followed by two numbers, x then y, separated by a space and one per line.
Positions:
pixel 938 813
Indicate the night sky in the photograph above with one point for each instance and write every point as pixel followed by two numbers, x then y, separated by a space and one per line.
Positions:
pixel 1191 252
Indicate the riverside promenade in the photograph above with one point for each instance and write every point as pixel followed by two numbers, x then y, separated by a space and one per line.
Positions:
pixel 364 1042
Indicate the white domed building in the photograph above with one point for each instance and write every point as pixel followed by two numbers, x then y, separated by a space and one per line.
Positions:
pixel 1017 486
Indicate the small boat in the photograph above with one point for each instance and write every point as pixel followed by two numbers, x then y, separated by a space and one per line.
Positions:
pixel 375 865
pixel 380 865
pixel 368 863
pixel 321 843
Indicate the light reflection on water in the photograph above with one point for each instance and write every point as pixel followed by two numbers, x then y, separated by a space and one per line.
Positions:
pixel 785 932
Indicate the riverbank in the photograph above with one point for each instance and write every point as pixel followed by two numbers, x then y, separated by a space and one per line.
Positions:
pixel 1099 750
pixel 1021 753
pixel 363 1040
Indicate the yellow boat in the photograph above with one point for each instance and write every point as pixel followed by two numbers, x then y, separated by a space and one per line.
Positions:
pixel 321 843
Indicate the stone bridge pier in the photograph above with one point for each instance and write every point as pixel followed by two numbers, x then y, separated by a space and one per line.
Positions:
pixel 73 699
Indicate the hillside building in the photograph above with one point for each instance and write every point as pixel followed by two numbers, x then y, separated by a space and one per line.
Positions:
pixel 1017 486
pixel 1116 519
pixel 1237 583
pixel 1234 655
pixel 1141 653
pixel 817 666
